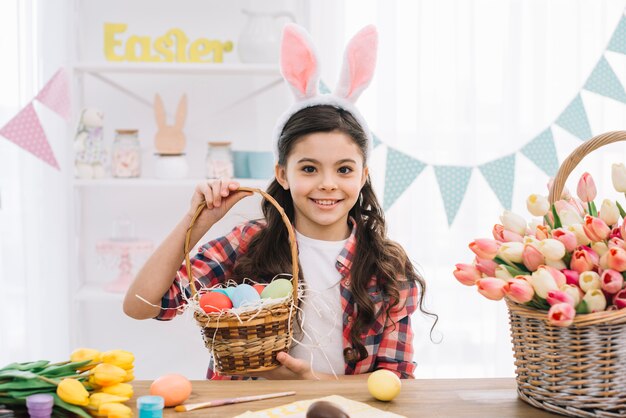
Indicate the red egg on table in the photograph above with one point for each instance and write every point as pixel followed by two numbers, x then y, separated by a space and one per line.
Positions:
pixel 174 388
pixel 215 302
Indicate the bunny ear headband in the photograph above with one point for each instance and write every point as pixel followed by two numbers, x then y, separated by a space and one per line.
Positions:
pixel 299 66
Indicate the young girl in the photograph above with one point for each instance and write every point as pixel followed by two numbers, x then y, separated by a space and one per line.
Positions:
pixel 361 288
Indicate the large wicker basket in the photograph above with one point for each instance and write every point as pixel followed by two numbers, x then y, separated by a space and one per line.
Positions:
pixel 580 370
pixel 250 340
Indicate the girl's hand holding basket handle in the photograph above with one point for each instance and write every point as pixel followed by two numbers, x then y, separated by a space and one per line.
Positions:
pixel 219 196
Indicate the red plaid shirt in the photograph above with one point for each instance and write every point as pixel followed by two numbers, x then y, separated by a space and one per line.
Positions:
pixel 389 342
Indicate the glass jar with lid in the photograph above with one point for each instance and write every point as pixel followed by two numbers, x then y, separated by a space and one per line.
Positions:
pixel 126 154
pixel 219 160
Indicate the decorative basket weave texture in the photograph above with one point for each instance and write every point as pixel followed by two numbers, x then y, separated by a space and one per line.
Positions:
pixel 248 342
pixel 580 370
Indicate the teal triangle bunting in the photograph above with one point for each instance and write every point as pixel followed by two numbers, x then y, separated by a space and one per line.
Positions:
pixel 452 182
pixel 574 119
pixel 604 82
pixel 500 174
pixel 542 152
pixel 323 88
pixel 400 172
pixel 618 40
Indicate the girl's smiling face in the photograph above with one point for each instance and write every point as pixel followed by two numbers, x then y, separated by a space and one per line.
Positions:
pixel 324 173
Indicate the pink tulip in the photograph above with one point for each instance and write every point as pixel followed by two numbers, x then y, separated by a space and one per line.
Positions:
pixel 541 232
pixel 616 259
pixel 559 278
pixel 485 248
pixel 519 290
pixel 503 235
pixel 571 276
pixel 568 238
pixel 485 266
pixel 596 229
pixel 584 259
pixel 619 300
pixel 612 281
pixel 586 189
pixel 622 230
pixel 559 296
pixel 616 242
pixel 561 314
pixel 616 233
pixel 532 257
pixel 491 288
pixel 467 274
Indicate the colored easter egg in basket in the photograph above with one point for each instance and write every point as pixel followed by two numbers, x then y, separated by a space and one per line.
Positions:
pixel 174 388
pixel 244 294
pixel 279 288
pixel 384 385
pixel 259 287
pixel 221 290
pixel 215 302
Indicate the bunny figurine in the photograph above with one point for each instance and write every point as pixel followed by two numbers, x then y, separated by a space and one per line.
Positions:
pixel 91 155
pixel 170 140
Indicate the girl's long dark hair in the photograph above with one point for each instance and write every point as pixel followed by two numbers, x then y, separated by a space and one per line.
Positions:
pixel 268 252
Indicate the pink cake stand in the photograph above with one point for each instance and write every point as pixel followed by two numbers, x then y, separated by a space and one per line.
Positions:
pixel 124 249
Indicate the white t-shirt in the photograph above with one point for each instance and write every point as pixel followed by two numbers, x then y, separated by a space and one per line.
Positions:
pixel 322 340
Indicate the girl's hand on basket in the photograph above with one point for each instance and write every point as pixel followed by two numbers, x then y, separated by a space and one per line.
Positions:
pixel 291 369
pixel 219 196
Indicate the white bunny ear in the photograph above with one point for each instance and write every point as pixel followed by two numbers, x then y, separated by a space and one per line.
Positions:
pixel 298 61
pixel 359 62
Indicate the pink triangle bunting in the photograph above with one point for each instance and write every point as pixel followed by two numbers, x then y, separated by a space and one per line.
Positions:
pixel 56 94
pixel 26 131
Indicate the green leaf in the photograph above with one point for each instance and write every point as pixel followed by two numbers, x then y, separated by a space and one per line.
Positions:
pixel 11 401
pixel 25 384
pixel 17 374
pixel 557 220
pixel 23 394
pixel 567 258
pixel 582 308
pixel 515 272
pixel 546 220
pixel 65 370
pixel 594 211
pixel 622 212
pixel 40 364
pixel 69 407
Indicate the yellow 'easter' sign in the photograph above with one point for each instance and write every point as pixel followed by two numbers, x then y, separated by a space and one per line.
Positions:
pixel 174 46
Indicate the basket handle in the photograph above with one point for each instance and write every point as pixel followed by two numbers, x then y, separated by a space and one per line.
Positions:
pixel 578 154
pixel 292 239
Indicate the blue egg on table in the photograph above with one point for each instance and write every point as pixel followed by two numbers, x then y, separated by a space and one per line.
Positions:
pixel 244 294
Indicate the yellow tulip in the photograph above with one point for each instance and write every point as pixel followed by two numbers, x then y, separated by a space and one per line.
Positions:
pixel 84 354
pixel 120 389
pixel 72 391
pixel 105 374
pixel 119 358
pixel 130 375
pixel 115 410
pixel 99 398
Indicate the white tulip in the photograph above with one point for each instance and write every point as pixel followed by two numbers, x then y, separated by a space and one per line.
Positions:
pixel 502 273
pixel 595 300
pixel 530 240
pixel 573 291
pixel 581 237
pixel 511 251
pixel 537 205
pixel 542 281
pixel 570 217
pixel 618 175
pixel 609 212
pixel 600 247
pixel 513 222
pixel 557 264
pixel 589 280
pixel 552 249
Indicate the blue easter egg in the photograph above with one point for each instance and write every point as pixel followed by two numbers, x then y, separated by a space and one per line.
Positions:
pixel 244 294
pixel 224 291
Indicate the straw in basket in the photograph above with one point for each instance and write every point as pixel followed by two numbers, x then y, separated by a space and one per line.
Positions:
pixel 580 370
pixel 250 340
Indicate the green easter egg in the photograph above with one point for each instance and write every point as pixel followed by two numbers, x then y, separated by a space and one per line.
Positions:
pixel 279 288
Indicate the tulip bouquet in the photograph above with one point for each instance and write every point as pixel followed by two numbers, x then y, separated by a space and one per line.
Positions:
pixel 91 383
pixel 574 262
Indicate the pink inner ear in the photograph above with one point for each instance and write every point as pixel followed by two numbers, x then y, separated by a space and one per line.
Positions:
pixel 297 61
pixel 362 58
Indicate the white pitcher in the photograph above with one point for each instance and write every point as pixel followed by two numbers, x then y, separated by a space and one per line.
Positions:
pixel 259 41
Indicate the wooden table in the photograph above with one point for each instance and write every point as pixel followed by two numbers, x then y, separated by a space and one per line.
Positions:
pixel 482 398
